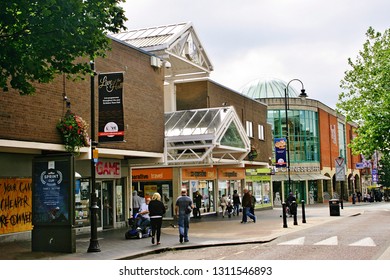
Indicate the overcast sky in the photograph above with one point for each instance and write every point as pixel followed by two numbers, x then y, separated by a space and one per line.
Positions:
pixel 309 40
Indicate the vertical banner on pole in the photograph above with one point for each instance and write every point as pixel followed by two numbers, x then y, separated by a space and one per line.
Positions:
pixel 280 152
pixel 111 123
pixel 340 169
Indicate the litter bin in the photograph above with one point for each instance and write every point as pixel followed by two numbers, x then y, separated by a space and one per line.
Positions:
pixel 334 207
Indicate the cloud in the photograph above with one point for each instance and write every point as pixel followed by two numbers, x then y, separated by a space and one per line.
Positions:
pixel 306 39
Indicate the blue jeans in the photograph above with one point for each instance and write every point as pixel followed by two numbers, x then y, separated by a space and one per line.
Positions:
pixel 246 213
pixel 184 224
pixel 236 209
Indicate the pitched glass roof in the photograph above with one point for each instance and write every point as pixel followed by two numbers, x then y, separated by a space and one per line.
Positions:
pixel 151 36
pixel 205 136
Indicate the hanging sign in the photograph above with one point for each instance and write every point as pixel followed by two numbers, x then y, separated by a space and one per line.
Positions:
pixel 111 123
pixel 280 152
pixel 340 169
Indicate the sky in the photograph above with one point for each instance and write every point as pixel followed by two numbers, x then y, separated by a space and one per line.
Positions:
pixel 309 40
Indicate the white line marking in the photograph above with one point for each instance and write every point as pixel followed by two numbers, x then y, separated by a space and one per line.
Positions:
pixel 329 241
pixel 368 242
pixel 297 241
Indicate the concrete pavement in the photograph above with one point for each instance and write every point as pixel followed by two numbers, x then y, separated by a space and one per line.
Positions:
pixel 209 231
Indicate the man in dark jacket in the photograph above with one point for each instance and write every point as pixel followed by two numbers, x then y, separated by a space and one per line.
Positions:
pixel 292 207
pixel 236 203
pixel 246 205
pixel 198 204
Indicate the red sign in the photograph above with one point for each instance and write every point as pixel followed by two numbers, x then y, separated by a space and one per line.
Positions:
pixel 108 169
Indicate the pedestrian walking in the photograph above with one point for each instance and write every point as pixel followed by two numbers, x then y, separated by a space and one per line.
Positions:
pixel 197 204
pixel 253 203
pixel 183 203
pixel 246 205
pixel 223 203
pixel 290 204
pixel 137 202
pixel 236 203
pixel 156 213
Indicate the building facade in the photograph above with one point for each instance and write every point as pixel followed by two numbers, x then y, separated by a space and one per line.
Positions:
pixel 188 90
pixel 318 145
pixel 29 130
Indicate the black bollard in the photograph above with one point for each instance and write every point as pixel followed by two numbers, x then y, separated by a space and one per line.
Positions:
pixel 284 214
pixel 294 206
pixel 303 212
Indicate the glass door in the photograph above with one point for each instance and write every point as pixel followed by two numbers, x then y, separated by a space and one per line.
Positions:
pixel 107 204
pixel 105 213
pixel 98 187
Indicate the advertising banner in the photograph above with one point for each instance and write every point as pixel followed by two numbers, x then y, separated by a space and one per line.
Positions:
pixel 340 169
pixel 15 205
pixel 280 152
pixel 111 123
pixel 52 190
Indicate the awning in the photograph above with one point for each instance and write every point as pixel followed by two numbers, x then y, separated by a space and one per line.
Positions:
pixel 319 177
pixel 300 177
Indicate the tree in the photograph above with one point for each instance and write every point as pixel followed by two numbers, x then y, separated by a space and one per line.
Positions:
pixel 366 99
pixel 384 170
pixel 42 38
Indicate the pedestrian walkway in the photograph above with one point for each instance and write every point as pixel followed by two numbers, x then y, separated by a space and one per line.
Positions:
pixel 206 232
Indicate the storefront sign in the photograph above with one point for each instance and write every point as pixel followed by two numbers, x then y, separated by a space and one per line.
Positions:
pixel 258 178
pixel 199 173
pixel 152 174
pixel 305 169
pixel 15 205
pixel 231 174
pixel 257 171
pixel 108 169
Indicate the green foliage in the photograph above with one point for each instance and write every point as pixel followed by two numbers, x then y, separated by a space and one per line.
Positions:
pixel 42 38
pixel 366 96
pixel 73 130
pixel 384 170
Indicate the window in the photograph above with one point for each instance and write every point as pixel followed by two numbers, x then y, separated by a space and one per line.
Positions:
pixel 261 131
pixel 249 129
pixel 303 133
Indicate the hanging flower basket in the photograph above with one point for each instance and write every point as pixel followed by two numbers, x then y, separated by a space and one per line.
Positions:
pixel 73 130
pixel 252 154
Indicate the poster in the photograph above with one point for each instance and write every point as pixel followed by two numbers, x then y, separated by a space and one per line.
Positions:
pixel 280 152
pixel 15 205
pixel 52 189
pixel 111 123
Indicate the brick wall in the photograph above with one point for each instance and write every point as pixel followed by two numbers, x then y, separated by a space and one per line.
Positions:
pixel 207 94
pixel 34 118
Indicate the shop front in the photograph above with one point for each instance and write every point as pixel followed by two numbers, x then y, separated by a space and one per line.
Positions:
pixel 258 181
pixel 110 192
pixel 202 180
pixel 306 183
pixel 229 180
pixel 149 181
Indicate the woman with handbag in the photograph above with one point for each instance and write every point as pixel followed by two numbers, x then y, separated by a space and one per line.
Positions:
pixel 156 213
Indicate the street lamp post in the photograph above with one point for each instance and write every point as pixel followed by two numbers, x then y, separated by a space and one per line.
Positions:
pixel 303 95
pixel 93 243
